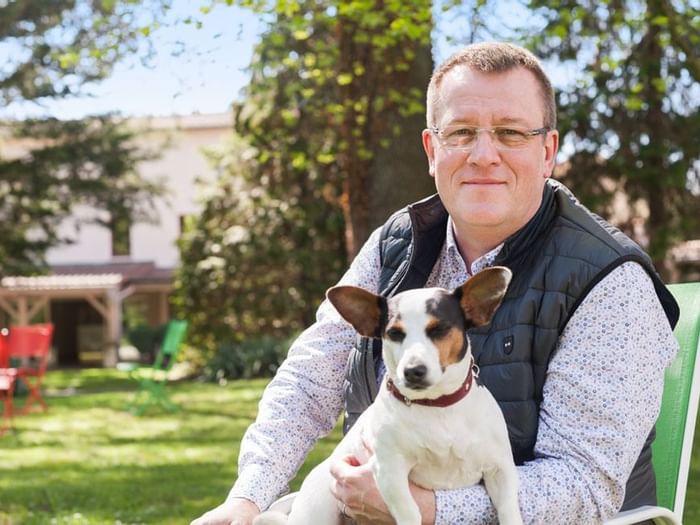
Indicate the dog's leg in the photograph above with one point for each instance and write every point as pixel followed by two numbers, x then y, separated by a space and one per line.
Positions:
pixel 315 502
pixel 502 485
pixel 391 474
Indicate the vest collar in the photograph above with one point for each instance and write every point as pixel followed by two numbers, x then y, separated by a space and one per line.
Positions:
pixel 522 240
pixel 442 401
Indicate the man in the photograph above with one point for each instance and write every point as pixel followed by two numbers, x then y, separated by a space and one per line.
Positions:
pixel 575 355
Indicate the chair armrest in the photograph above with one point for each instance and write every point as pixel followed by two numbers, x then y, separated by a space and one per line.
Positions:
pixel 660 515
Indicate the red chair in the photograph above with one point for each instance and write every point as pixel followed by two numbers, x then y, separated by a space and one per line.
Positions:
pixel 29 346
pixel 8 377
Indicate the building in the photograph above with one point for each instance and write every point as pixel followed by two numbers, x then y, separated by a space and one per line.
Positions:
pixel 95 282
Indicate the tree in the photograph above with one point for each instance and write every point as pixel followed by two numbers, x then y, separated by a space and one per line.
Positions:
pixel 359 70
pixel 257 259
pixel 91 162
pixel 628 114
pixel 54 48
pixel 334 108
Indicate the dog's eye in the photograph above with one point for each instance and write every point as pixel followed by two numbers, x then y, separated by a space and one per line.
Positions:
pixel 395 334
pixel 438 331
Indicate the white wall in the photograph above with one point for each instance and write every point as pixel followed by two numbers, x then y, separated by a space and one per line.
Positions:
pixel 179 166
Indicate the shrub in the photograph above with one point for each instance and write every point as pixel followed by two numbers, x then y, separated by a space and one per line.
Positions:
pixel 146 339
pixel 259 357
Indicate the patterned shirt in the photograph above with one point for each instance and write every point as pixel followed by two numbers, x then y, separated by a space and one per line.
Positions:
pixel 601 398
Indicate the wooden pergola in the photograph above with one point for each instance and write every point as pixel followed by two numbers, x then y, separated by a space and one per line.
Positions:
pixel 104 287
pixel 22 298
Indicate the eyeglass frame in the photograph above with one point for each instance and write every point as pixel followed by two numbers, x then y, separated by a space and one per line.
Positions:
pixel 491 130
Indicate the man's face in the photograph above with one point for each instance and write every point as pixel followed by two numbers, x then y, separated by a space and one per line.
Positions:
pixel 490 190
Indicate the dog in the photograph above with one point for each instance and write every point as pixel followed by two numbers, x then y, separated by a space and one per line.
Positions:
pixel 431 422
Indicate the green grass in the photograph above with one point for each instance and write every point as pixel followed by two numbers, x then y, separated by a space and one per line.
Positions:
pixel 88 461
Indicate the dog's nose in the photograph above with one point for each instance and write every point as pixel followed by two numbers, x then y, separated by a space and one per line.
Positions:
pixel 415 374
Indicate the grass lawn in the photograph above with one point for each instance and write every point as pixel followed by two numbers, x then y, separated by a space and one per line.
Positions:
pixel 87 461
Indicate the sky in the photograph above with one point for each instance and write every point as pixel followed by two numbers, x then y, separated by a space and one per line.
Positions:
pixel 194 70
pixel 201 70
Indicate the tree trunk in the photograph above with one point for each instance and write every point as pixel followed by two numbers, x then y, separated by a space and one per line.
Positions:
pixel 395 175
pixel 399 174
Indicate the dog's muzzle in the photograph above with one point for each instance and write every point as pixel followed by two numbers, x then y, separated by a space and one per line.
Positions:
pixel 415 377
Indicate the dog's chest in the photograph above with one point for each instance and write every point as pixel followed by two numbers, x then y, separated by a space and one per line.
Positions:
pixel 442 443
pixel 443 461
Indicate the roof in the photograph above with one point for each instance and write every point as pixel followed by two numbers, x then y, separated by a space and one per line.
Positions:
pixel 62 282
pixel 130 271
pixel 116 274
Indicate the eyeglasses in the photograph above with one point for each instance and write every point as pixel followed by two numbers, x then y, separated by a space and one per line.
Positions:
pixel 464 137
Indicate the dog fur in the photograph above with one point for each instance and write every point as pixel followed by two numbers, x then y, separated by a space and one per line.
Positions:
pixel 427 355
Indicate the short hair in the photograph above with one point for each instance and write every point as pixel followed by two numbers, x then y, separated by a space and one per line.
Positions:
pixel 493 57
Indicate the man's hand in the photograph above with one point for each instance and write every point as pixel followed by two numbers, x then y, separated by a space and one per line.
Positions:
pixel 354 487
pixel 235 511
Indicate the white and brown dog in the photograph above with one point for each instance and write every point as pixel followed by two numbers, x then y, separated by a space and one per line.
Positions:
pixel 431 423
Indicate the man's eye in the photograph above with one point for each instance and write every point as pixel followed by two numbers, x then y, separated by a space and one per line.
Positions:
pixel 460 133
pixel 395 334
pixel 509 132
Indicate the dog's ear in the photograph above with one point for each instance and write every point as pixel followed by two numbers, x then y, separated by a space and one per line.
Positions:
pixel 365 311
pixel 480 296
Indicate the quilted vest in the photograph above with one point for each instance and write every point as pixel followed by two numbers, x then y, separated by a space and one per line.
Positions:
pixel 556 259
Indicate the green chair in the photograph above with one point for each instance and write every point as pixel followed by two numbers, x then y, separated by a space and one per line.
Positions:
pixel 675 426
pixel 153 379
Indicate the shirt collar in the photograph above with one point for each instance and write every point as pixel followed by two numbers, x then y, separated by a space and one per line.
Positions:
pixel 479 264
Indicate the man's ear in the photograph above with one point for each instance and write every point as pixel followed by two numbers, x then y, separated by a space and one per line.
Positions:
pixel 429 148
pixel 480 296
pixel 365 311
pixel 551 146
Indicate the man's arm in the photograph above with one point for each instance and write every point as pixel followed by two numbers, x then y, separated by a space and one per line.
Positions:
pixel 601 398
pixel 304 399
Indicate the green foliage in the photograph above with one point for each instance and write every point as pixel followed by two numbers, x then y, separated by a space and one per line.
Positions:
pixel 344 80
pixel 259 257
pixel 329 82
pixel 53 48
pixel 628 113
pixel 259 357
pixel 145 339
pixel 90 162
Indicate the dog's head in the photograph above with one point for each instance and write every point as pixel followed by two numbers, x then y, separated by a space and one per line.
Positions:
pixel 423 330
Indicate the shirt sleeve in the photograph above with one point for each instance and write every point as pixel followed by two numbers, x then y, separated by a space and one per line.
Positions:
pixel 304 399
pixel 601 398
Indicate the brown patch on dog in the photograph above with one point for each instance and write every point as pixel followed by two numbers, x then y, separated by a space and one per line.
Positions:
pixel 450 346
pixel 482 294
pixel 365 311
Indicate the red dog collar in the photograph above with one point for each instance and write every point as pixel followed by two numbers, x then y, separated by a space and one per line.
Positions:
pixel 442 401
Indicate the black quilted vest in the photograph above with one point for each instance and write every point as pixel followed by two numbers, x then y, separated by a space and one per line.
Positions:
pixel 556 259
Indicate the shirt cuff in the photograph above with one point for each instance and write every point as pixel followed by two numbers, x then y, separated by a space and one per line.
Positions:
pixel 254 484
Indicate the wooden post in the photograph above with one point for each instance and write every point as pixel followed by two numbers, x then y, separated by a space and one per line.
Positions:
pixel 114 328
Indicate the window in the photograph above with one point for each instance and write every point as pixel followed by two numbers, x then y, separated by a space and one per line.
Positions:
pixel 120 227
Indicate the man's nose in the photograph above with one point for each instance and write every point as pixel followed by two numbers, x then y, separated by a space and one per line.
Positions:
pixel 484 152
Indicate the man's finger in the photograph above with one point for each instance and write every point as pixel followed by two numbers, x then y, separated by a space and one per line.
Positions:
pixel 343 466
